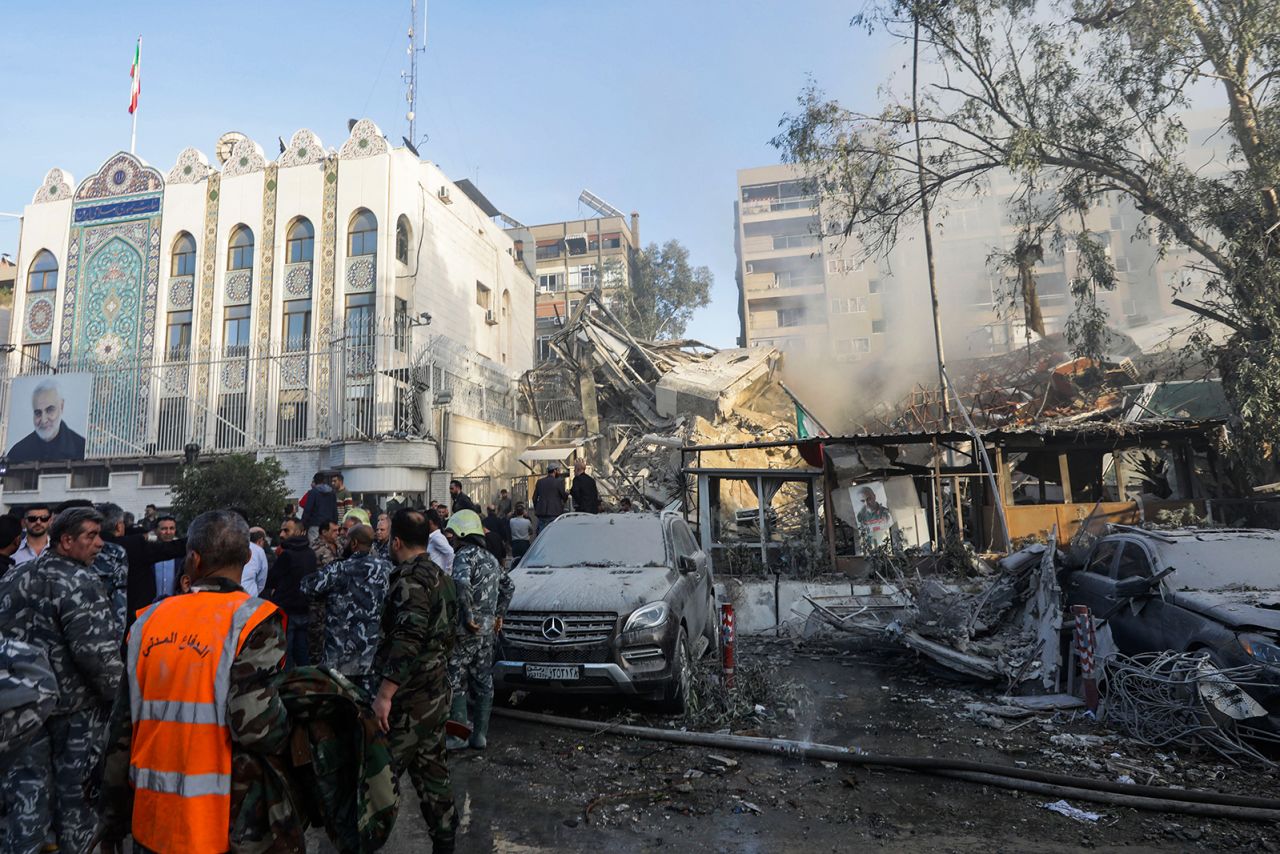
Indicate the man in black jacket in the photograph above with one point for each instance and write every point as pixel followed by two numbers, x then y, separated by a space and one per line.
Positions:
pixel 461 501
pixel 549 496
pixel 284 588
pixel 321 505
pixel 584 492
pixel 142 555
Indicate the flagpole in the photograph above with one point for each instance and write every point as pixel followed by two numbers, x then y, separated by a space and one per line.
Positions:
pixel 133 136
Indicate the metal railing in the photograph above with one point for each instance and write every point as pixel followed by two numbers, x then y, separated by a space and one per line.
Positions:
pixel 363 385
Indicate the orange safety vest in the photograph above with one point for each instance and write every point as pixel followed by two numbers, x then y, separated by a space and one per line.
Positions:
pixel 180 654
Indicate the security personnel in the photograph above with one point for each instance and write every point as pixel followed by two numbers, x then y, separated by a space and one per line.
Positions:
pixel 57 604
pixel 200 674
pixel 413 698
pixel 484 592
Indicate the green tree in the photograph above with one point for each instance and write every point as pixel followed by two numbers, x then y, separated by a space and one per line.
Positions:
pixel 665 292
pixel 236 480
pixel 1077 99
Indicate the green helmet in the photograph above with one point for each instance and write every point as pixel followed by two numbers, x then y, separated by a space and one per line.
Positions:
pixel 464 523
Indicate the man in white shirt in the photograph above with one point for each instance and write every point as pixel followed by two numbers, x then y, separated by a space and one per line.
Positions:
pixel 254 575
pixel 36 538
pixel 438 548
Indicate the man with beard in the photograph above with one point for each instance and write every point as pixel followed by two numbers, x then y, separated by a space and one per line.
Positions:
pixel 51 439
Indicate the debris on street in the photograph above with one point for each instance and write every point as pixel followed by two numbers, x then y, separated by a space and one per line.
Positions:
pixel 1168 698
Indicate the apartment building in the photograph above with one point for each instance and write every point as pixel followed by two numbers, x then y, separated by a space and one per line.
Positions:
pixel 799 292
pixel 572 258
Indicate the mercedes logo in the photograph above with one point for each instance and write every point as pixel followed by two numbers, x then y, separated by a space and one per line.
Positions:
pixel 553 628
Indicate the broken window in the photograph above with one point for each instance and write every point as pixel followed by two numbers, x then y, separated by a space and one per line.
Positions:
pixel 790 316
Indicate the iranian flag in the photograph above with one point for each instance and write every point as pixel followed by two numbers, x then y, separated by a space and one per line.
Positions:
pixel 136 73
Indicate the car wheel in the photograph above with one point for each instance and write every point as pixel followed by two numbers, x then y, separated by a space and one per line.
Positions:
pixel 681 685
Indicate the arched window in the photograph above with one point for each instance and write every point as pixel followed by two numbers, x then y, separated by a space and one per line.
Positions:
pixel 240 249
pixel 43 275
pixel 362 234
pixel 402 239
pixel 183 262
pixel 301 243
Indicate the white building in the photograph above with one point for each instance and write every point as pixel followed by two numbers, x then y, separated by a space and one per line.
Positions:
pixel 349 309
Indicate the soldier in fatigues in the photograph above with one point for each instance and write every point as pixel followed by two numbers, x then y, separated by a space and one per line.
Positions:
pixel 484 592
pixel 30 691
pixel 353 591
pixel 112 565
pixel 56 603
pixel 413 699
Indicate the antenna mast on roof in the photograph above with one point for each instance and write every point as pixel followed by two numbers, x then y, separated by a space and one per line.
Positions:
pixel 598 204
pixel 410 77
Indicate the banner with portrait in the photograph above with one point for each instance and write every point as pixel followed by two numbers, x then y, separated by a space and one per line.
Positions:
pixel 48 417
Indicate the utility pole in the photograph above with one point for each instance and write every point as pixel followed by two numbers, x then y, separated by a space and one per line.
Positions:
pixel 928 228
pixel 410 77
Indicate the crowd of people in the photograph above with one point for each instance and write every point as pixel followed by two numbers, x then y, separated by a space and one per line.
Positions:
pixel 122 639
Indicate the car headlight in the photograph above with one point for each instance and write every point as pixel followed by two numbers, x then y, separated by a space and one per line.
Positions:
pixel 1260 649
pixel 647 617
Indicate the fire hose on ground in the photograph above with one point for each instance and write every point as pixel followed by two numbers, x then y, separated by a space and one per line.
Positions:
pixel 1154 798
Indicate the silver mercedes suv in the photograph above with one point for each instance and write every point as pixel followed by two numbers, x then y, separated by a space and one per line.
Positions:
pixel 620 602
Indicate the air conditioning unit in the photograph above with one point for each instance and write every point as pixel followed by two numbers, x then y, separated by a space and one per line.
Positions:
pixel 444 196
pixel 490 318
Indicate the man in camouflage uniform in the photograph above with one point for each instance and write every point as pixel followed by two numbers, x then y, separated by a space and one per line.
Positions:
pixel 413 700
pixel 112 564
pixel 218 548
pixel 56 603
pixel 353 591
pixel 484 592
pixel 28 692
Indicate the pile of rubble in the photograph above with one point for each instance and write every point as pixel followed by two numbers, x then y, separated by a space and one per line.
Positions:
pixel 1039 383
pixel 638 402
pixel 995 624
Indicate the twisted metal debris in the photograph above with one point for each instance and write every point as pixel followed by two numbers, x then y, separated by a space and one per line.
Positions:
pixel 1182 698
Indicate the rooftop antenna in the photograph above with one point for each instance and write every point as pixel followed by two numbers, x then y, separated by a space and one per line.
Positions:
pixel 598 204
pixel 410 77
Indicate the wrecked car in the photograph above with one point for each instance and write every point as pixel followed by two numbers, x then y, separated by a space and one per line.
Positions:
pixel 610 603
pixel 1211 591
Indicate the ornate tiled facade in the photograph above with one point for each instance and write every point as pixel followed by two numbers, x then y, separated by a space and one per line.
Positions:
pixel 297 280
pixel 323 313
pixel 238 287
pixel 365 141
pixel 56 187
pixel 245 158
pixel 192 167
pixel 113 264
pixel 304 147
pixel 39 320
pixel 181 292
pixel 360 274
pixel 265 287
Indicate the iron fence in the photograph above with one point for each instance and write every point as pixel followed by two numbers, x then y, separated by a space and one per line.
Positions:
pixel 362 386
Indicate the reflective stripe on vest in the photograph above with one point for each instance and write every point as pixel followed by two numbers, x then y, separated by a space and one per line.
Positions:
pixel 184 785
pixel 180 654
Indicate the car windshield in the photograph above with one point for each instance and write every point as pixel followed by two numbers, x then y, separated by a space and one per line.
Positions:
pixel 1224 561
pixel 607 540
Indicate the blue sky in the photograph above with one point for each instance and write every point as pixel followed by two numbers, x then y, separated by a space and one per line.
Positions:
pixel 653 105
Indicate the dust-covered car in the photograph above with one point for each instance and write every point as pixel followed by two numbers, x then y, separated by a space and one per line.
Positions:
pixel 620 602
pixel 1211 590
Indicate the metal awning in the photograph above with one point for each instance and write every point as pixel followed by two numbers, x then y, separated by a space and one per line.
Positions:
pixel 548 455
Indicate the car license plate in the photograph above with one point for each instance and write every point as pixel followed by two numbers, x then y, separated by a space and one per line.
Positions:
pixel 553 672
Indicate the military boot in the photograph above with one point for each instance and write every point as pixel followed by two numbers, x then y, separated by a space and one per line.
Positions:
pixel 458 712
pixel 480 727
